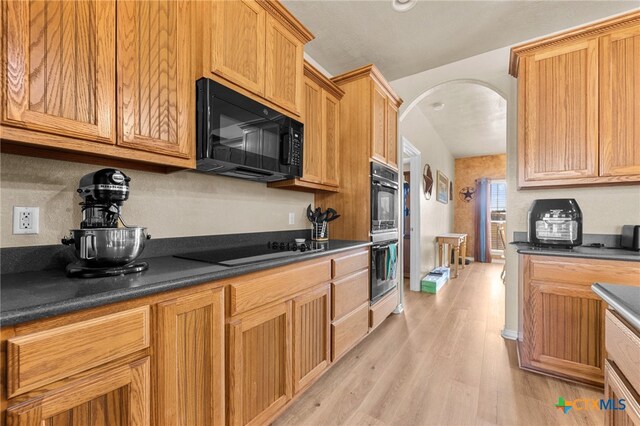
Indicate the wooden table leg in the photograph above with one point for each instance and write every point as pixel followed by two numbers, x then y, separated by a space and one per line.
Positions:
pixel 463 251
pixel 439 253
pixel 456 259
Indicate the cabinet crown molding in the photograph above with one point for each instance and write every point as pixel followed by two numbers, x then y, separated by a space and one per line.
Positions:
pixel 314 74
pixel 286 18
pixel 589 30
pixel 369 71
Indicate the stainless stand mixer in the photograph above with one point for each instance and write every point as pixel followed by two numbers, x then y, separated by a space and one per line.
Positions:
pixel 104 249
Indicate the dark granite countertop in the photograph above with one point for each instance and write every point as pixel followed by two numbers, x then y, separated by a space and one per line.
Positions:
pixel 27 296
pixel 624 299
pixel 581 251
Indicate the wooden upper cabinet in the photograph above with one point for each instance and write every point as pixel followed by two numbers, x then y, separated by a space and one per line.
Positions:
pixel 330 139
pixel 155 87
pixel 379 123
pixel 561 112
pixel 578 105
pixel 392 135
pixel 60 76
pixel 190 383
pixel 311 336
pixel 238 43
pixel 284 67
pixel 321 115
pixel 118 396
pixel 312 151
pixel 620 103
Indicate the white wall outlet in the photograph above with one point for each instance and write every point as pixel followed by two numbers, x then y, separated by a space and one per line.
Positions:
pixel 26 220
pixel 292 218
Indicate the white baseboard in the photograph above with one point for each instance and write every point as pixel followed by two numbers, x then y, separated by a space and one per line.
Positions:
pixel 509 334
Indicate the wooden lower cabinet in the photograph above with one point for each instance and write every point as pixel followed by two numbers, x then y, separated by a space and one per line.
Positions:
pixel 259 375
pixel 563 320
pixel 190 359
pixel 311 336
pixel 617 388
pixel 118 396
pixel 348 331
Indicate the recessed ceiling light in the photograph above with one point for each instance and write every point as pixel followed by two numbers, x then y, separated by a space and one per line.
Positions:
pixel 437 106
pixel 403 5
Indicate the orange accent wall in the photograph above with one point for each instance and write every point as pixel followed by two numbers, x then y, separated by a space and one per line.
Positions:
pixel 467 170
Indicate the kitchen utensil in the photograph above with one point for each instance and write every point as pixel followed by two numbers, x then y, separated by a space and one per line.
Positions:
pixel 100 247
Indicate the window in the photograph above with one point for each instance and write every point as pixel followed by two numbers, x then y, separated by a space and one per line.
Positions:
pixel 498 192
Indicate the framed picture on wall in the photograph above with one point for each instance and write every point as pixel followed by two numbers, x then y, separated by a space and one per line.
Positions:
pixel 442 188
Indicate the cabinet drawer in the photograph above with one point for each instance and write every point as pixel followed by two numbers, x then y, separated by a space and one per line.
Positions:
pixel 349 330
pixel 381 310
pixel 583 271
pixel 40 358
pixel 617 387
pixel 349 293
pixel 350 263
pixel 269 286
pixel 623 347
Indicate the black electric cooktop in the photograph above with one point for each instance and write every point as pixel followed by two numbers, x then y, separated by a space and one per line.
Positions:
pixel 236 256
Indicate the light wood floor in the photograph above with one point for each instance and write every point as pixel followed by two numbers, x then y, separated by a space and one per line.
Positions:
pixel 443 362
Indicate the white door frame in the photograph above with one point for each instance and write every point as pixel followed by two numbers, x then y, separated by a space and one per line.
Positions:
pixel 412 156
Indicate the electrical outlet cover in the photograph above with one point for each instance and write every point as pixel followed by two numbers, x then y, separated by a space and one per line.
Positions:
pixel 26 220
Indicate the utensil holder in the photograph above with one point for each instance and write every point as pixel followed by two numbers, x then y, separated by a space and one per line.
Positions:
pixel 320 231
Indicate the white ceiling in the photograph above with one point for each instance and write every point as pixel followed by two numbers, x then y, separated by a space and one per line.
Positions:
pixel 353 33
pixel 473 120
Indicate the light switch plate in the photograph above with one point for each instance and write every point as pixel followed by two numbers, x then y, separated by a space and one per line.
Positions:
pixel 26 220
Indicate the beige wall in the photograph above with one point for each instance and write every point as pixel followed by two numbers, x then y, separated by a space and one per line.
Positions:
pixel 172 205
pixel 469 169
pixel 435 217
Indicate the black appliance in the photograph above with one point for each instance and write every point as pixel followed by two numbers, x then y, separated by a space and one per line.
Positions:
pixel 555 223
pixel 101 245
pixel 630 238
pixel 384 268
pixel 103 194
pixel 236 256
pixel 384 198
pixel 239 137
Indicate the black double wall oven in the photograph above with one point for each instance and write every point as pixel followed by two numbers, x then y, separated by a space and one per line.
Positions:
pixel 384 230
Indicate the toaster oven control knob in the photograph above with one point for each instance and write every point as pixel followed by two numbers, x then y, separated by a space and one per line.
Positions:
pixel 281 246
pixel 303 248
pixel 295 247
pixel 274 245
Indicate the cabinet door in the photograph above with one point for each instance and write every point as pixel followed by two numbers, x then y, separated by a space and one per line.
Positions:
pixel 312 150
pixel 154 77
pixel 238 43
pixel 59 76
pixel 392 135
pixel 379 124
pixel 331 139
pixel 119 396
pixel 561 113
pixel 259 374
pixel 619 105
pixel 284 67
pixel 311 346
pixel 190 359
pixel 564 330
pixel 617 388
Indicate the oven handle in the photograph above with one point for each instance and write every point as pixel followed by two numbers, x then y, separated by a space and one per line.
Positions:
pixel 385 184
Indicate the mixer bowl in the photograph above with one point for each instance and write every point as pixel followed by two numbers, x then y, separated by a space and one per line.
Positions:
pixel 104 247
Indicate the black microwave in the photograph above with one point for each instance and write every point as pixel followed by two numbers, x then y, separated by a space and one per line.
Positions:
pixel 239 137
